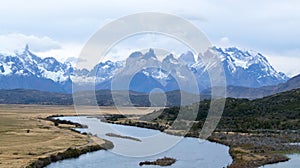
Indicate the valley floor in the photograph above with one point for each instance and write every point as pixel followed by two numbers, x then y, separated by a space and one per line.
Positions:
pixel 25 135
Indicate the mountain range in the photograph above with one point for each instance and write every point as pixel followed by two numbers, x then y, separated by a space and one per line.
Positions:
pixel 241 68
pixel 104 97
pixel 244 69
pixel 254 93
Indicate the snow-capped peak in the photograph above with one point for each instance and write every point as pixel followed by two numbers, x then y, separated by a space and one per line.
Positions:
pixel 252 62
pixel 28 64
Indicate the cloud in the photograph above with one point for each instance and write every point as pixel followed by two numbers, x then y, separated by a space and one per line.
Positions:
pixel 265 26
pixel 68 50
pixel 74 60
pixel 224 42
pixel 42 46
pixel 12 42
pixel 290 68
pixel 143 42
pixel 287 62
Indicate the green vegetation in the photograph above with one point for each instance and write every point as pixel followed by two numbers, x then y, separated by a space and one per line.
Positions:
pixel 276 112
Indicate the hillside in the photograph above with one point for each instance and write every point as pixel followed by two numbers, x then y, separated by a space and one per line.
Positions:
pixel 277 112
pixel 254 93
pixel 104 98
pixel 22 96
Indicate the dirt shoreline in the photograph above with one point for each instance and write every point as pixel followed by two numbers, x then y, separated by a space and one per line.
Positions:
pixel 67 154
pixel 237 156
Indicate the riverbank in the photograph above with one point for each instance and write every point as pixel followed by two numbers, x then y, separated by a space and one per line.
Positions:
pixel 69 153
pixel 253 149
pixel 94 144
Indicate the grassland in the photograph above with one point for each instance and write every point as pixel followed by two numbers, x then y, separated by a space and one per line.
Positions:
pixel 25 135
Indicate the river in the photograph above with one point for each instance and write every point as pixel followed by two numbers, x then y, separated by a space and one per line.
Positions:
pixel 189 152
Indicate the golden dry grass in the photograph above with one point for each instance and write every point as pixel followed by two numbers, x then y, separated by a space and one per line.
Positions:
pixel 18 148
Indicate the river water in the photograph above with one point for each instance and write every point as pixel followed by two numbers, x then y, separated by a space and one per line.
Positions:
pixel 189 152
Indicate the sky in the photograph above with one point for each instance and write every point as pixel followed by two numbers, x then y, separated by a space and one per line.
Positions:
pixel 61 28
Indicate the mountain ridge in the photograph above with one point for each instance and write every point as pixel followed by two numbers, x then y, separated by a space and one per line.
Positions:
pixel 242 68
pixel 104 97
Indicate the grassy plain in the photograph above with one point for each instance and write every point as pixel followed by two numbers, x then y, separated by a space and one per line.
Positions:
pixel 25 135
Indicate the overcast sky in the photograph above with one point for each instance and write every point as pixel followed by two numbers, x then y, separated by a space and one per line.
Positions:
pixel 61 28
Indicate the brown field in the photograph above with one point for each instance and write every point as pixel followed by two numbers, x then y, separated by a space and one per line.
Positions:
pixel 26 136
